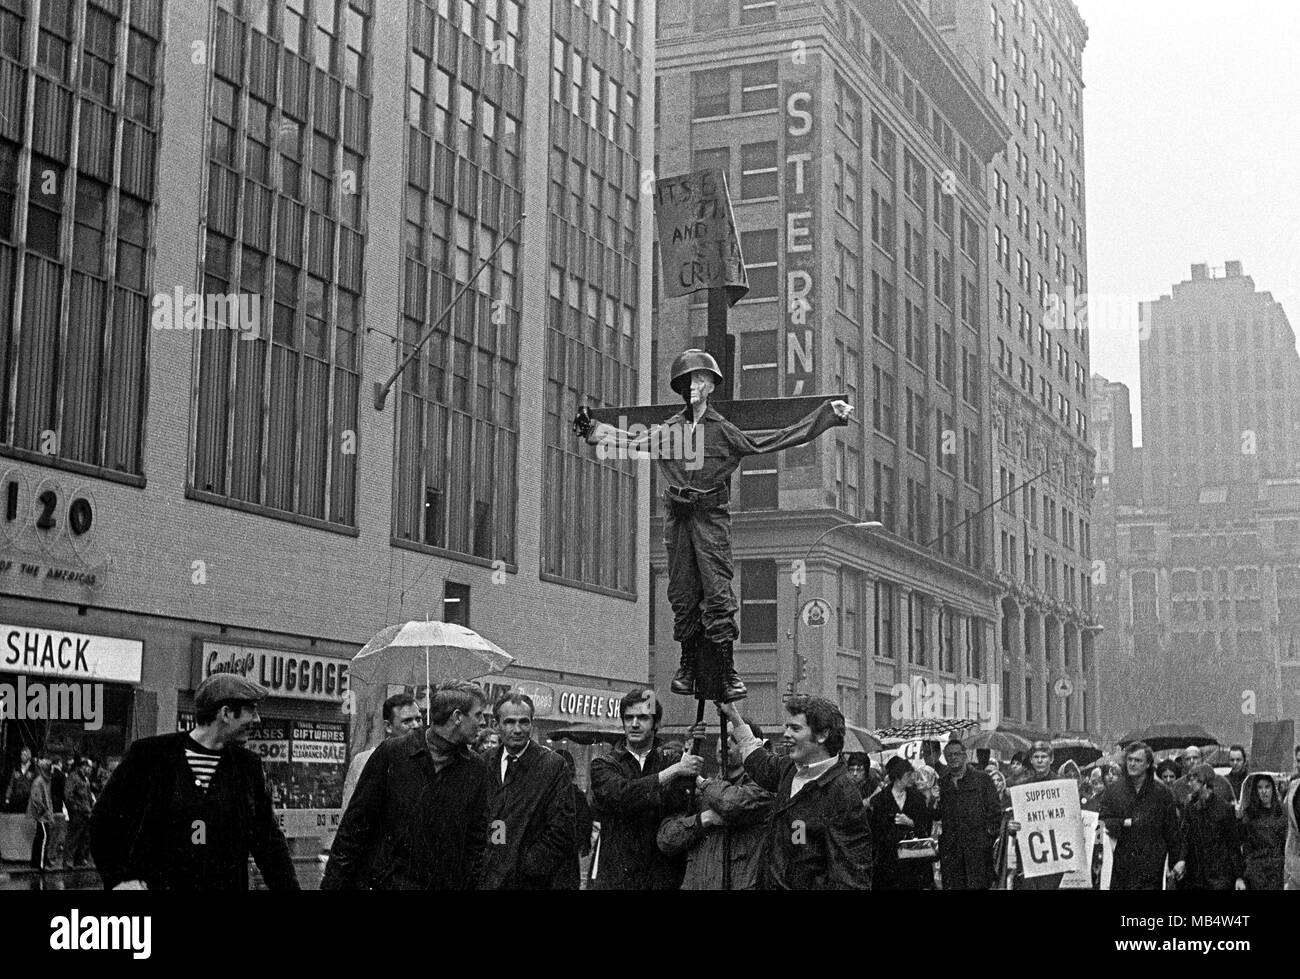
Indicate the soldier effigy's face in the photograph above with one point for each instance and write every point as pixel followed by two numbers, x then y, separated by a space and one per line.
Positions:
pixel 701 386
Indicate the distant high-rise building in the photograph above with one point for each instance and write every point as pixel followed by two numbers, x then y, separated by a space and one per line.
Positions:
pixel 1220 386
pixel 1116 469
pixel 1028 57
pixel 1199 577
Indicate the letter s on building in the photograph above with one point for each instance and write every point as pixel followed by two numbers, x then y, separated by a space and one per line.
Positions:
pixel 805 126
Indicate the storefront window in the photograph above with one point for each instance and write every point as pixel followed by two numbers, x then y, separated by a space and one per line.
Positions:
pixel 99 732
pixel 305 761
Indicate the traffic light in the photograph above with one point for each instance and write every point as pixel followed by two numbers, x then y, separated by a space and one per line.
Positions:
pixel 800 668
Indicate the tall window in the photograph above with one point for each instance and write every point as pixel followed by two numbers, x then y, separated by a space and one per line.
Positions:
pixel 592 328
pixel 759 249
pixel 712 92
pixel 758 601
pixel 76 382
pixel 884 620
pixel 277 412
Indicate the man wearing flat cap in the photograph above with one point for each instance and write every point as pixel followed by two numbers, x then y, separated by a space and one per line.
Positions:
pixel 185 811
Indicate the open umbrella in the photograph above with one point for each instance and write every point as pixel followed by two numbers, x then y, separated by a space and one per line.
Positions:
pixel 1081 751
pixel 866 740
pixel 1005 743
pixel 927 728
pixel 587 733
pixel 1161 737
pixel 411 654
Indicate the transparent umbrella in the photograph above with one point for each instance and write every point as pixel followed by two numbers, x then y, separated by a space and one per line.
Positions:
pixel 411 654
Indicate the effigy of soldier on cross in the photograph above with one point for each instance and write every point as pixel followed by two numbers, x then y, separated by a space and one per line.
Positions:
pixel 701 250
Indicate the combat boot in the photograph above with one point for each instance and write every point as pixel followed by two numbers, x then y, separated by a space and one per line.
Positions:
pixel 733 687
pixel 684 679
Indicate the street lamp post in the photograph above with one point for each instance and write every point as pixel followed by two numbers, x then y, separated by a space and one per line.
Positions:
pixel 801 572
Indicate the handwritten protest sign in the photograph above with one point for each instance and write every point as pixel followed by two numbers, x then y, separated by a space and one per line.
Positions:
pixel 698 244
pixel 1051 834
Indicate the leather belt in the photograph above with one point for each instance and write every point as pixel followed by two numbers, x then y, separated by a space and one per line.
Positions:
pixel 690 498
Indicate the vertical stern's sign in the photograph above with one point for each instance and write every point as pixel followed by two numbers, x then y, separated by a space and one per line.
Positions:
pixel 698 244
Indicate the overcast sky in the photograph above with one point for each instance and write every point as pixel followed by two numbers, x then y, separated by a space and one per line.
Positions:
pixel 1192 150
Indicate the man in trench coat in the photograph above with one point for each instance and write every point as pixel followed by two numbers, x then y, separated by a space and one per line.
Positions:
pixel 530 805
pixel 971 816
pixel 1140 815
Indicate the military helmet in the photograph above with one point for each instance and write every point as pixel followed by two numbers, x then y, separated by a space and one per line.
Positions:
pixel 687 362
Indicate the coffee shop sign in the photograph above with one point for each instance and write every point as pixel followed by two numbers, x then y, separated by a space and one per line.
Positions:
pixel 589 705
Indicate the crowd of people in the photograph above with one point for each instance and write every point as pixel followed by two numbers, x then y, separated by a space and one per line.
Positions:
pixel 440 805
pixel 57 793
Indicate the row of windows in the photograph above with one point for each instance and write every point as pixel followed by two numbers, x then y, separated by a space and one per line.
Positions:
pixel 589 530
pixel 716 15
pixel 724 91
pixel 284 212
pixel 459 409
pixel 74 320
pixel 904 89
pixel 958 641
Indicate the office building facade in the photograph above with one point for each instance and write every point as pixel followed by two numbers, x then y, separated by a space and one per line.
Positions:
pixel 223 225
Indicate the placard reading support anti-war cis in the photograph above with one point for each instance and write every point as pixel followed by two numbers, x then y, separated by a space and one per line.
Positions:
pixel 698 244
pixel 1051 830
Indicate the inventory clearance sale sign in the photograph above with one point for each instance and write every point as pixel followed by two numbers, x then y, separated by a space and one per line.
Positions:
pixel 1051 829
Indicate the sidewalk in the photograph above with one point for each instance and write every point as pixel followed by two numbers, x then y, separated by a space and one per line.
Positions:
pixel 17 876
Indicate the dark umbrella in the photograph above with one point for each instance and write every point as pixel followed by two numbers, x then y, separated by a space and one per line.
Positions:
pixel 1081 751
pixel 1162 737
pixel 588 734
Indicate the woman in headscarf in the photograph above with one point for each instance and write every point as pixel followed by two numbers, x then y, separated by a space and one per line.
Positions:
pixel 1168 772
pixel 1263 837
pixel 898 812
pixel 1040 770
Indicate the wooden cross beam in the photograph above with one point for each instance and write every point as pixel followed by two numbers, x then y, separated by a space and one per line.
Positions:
pixel 701 251
pixel 751 415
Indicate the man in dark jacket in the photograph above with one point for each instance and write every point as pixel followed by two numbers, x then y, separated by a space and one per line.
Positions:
pixel 1140 815
pixel 1210 837
pixel 631 792
pixel 530 805
pixel 1237 759
pixel 818 834
pixel 185 811
pixel 20 782
pixel 80 802
pixel 732 810
pixel 418 818
pixel 41 812
pixel 971 815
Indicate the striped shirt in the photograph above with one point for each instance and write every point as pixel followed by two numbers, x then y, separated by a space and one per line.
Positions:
pixel 203 763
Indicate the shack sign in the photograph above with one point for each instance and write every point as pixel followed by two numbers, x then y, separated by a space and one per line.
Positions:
pixel 698 244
